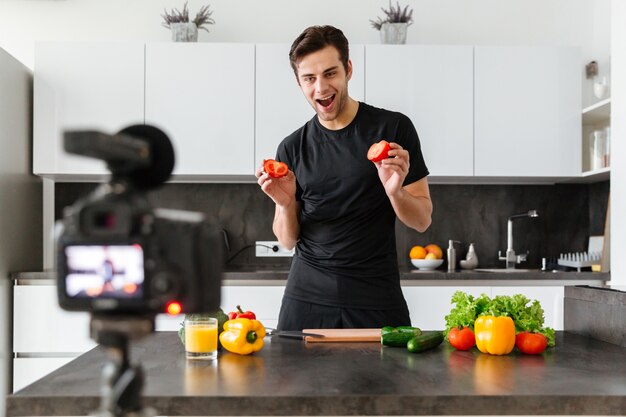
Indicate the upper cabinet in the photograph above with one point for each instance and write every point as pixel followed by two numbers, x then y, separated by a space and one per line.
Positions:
pixel 83 86
pixel 202 96
pixel 281 108
pixel 527 112
pixel 433 86
pixel 480 113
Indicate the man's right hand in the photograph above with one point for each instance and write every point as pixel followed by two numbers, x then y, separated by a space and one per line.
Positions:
pixel 281 190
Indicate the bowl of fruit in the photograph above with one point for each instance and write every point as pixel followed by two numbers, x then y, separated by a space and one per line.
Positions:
pixel 426 258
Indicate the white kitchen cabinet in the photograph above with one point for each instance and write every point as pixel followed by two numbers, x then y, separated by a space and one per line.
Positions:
pixel 281 108
pixel 41 326
pixel 527 104
pixel 429 306
pixel 433 86
pixel 202 96
pixel 489 112
pixel 28 370
pixel 83 85
pixel 265 301
pixel 44 336
pixel 551 299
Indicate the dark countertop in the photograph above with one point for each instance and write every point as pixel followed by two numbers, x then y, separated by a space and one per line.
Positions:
pixel 252 275
pixel 581 376
pixel 412 274
pixel 596 312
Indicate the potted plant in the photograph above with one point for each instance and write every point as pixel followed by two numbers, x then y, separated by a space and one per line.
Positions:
pixel 184 30
pixel 394 26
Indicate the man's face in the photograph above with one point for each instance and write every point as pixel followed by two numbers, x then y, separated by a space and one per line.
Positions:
pixel 324 82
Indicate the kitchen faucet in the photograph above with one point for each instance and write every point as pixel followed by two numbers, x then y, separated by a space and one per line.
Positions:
pixel 511 258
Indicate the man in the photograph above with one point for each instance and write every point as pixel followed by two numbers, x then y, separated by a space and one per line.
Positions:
pixel 335 206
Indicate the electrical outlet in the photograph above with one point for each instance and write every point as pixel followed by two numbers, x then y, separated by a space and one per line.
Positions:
pixel 266 248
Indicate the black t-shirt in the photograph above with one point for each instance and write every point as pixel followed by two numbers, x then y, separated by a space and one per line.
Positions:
pixel 346 253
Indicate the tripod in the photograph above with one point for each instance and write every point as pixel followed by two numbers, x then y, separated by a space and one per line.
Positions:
pixel 121 382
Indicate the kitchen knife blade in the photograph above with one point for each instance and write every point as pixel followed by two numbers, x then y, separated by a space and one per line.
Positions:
pixel 292 334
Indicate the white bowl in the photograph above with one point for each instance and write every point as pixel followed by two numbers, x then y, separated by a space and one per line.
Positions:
pixel 426 264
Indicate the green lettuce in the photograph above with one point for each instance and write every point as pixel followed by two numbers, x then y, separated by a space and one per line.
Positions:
pixel 527 317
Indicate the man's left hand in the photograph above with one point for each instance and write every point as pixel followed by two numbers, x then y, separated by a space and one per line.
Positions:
pixel 393 170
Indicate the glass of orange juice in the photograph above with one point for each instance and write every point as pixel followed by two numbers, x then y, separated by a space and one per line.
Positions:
pixel 201 338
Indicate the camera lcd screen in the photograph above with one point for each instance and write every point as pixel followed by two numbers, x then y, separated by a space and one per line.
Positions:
pixel 104 271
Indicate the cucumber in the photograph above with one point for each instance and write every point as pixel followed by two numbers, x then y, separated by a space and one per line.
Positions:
pixel 425 341
pixel 398 336
pixel 408 329
pixel 386 329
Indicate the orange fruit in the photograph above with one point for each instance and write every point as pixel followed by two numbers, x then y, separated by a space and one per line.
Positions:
pixel 431 255
pixel 434 249
pixel 417 252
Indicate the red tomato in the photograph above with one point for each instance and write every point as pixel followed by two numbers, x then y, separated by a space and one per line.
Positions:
pixel 531 343
pixel 274 168
pixel 462 339
pixel 378 151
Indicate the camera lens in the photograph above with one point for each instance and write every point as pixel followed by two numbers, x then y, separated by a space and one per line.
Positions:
pixel 105 220
pixel 163 284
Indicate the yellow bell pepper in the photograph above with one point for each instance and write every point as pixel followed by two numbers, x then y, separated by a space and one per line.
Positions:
pixel 495 335
pixel 242 336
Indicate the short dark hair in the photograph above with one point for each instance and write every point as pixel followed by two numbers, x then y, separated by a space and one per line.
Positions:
pixel 315 38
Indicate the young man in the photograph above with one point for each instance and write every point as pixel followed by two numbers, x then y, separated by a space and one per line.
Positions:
pixel 335 206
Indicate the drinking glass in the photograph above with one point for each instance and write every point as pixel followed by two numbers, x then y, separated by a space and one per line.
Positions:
pixel 201 338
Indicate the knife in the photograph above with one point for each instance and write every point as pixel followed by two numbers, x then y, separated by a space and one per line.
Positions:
pixel 291 334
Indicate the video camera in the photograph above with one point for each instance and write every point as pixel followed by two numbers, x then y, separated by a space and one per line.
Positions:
pixel 118 255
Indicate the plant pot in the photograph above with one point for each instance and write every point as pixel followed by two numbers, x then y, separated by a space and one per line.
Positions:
pixel 393 33
pixel 184 32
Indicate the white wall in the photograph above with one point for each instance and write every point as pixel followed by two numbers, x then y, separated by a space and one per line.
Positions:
pixel 618 143
pixel 581 23
pixel 20 199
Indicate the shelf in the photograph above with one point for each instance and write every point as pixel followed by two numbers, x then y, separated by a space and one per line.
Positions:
pixel 597 112
pixel 598 175
pixel 588 177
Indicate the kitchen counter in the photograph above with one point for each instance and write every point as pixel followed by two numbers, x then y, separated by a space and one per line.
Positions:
pixel 278 276
pixel 581 376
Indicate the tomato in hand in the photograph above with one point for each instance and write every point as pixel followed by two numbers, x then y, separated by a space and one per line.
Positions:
pixel 462 338
pixel 274 168
pixel 531 343
pixel 378 151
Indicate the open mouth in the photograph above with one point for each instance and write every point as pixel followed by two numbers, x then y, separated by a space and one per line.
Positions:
pixel 327 101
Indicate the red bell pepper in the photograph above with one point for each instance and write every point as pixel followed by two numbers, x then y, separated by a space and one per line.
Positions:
pixel 240 314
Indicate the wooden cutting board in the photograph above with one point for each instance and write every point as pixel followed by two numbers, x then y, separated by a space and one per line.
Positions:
pixel 343 335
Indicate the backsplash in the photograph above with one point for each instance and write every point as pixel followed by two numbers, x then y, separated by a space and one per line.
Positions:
pixel 568 215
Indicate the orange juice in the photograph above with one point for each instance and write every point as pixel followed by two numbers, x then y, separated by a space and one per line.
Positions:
pixel 200 338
